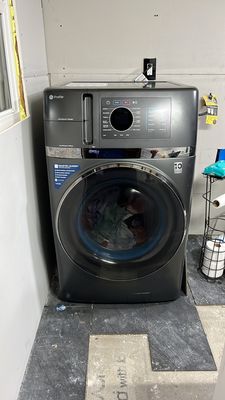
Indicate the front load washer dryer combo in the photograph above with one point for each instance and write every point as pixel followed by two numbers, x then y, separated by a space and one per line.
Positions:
pixel 120 162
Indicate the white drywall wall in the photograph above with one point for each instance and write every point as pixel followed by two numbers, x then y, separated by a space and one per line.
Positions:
pixel 113 36
pixel 23 282
pixel 107 40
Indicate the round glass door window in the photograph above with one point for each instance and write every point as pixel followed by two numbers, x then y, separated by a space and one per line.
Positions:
pixel 121 223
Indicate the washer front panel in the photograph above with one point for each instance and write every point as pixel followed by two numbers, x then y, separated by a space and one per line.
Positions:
pixel 120 221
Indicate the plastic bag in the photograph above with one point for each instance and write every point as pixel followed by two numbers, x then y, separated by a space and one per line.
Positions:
pixel 217 169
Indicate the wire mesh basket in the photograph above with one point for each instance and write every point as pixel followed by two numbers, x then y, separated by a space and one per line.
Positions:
pixel 212 258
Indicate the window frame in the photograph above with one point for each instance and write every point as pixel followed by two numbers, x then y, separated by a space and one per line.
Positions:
pixel 11 115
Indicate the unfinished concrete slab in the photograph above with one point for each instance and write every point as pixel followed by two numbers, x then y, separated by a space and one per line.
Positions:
pixel 118 367
pixel 213 321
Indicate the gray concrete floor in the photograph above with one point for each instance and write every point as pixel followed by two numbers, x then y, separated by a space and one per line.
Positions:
pixel 62 345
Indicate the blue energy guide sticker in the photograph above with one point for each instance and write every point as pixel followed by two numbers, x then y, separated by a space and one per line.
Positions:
pixel 64 171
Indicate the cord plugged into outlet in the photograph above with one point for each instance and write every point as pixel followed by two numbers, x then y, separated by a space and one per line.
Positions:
pixel 149 68
pixel 149 71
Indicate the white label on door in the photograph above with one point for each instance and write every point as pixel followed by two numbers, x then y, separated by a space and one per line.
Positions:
pixel 178 167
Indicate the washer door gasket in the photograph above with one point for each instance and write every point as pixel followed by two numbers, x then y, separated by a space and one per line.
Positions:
pixel 121 221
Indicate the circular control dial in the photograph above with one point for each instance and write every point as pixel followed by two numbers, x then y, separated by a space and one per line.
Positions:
pixel 121 119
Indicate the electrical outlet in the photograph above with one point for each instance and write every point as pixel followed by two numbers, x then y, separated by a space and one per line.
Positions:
pixel 149 68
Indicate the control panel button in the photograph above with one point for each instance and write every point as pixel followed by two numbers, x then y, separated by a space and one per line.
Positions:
pixel 116 102
pixel 126 102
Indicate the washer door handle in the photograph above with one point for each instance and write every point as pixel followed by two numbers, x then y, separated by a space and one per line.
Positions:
pixel 87 119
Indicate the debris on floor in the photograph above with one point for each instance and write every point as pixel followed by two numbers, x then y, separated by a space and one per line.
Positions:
pixel 60 307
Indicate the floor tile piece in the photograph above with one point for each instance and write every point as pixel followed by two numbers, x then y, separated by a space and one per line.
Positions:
pixel 118 368
pixel 118 319
pixel 190 295
pixel 58 362
pixel 177 339
pixel 204 291
pixel 64 326
pixel 55 372
pixel 194 244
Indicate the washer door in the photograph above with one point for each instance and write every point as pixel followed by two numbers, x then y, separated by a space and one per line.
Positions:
pixel 121 221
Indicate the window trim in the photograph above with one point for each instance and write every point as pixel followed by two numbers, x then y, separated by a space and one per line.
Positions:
pixel 11 115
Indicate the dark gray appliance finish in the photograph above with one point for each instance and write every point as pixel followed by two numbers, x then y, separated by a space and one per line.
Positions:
pixel 168 115
pixel 120 204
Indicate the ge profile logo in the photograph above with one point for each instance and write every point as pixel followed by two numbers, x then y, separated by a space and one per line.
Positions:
pixel 55 97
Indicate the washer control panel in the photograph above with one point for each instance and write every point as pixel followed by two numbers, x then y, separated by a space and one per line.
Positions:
pixel 135 117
